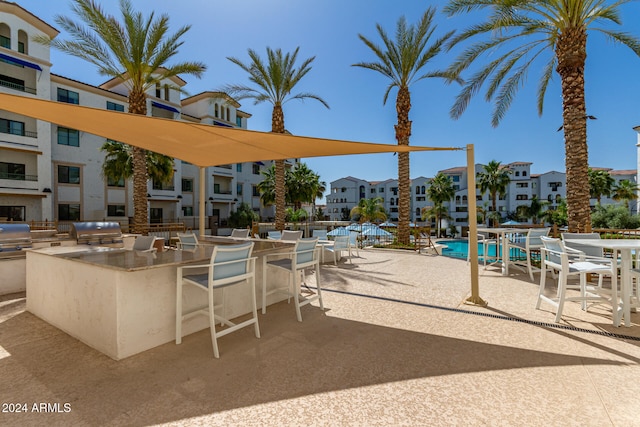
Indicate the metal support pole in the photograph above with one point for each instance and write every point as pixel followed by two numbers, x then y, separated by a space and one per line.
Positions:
pixel 473 230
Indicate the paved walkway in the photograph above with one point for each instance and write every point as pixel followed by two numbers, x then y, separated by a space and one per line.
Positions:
pixel 395 346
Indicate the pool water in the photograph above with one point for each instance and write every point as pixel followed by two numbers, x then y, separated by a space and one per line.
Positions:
pixel 460 249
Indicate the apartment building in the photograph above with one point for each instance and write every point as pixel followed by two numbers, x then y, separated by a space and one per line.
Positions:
pixel 549 187
pixel 48 172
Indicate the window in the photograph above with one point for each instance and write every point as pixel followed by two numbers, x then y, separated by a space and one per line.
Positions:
pixel 238 121
pixel 69 212
pixel 215 110
pixel 524 173
pixel 5 42
pixel 166 92
pixel 158 91
pixel 115 107
pixel 239 167
pixel 256 169
pixel 418 212
pixel 239 189
pixel 216 188
pixel 187 185
pixel 228 115
pixel 68 96
pixel 187 211
pixel 381 190
pixel 115 210
pixel 423 188
pixel 417 189
pixel 168 186
pixel 13 213
pixel 522 197
pixel 12 127
pixel 522 185
pixel 13 171
pixel 372 190
pixel 21 47
pixel 391 201
pixel 111 182
pixel 517 173
pixel 254 191
pixel 70 137
pixel 456 178
pixel 68 174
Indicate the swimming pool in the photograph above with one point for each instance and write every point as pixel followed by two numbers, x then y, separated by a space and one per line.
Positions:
pixel 460 249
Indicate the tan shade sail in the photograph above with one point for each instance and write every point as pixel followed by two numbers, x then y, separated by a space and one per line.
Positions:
pixel 199 144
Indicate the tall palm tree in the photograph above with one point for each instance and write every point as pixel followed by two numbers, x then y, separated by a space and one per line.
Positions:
pixel 267 187
pixel 528 30
pixel 402 61
pixel 273 82
pixel 494 179
pixel 438 211
pixel 118 163
pixel 600 183
pixel 136 50
pixel 625 191
pixel 370 210
pixel 440 190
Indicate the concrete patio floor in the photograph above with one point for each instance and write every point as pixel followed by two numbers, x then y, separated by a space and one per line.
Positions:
pixel 396 345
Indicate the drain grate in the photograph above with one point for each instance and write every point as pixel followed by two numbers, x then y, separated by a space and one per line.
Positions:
pixel 494 316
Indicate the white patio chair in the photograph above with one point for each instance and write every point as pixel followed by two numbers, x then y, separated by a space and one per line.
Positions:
pixel 340 244
pixel 274 235
pixel 568 262
pixel 529 244
pixel 144 244
pixel 229 265
pixel 353 243
pixel 304 255
pixel 486 243
pixel 320 234
pixel 188 241
pixel 291 236
pixel 240 233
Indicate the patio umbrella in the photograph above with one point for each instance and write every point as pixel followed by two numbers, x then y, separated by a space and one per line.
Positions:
pixel 388 224
pixel 376 231
pixel 511 222
pixel 340 231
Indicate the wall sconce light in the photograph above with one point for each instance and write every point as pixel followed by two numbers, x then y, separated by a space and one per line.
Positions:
pixel 46 190
pixel 179 196
pixel 211 199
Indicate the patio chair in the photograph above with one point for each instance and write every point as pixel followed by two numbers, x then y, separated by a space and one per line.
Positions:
pixel 304 255
pixel 188 241
pixel 353 243
pixel 274 235
pixel 229 265
pixel 340 243
pixel 486 242
pixel 291 236
pixel 240 233
pixel 569 262
pixel 144 244
pixel 320 234
pixel 529 244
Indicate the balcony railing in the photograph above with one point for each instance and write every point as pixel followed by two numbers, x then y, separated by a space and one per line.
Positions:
pixel 16 86
pixel 222 192
pixel 18 176
pixel 28 133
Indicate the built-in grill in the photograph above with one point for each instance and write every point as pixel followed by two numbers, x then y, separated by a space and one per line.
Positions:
pixel 13 239
pixel 97 233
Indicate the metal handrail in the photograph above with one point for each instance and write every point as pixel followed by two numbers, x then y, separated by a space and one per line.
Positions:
pixel 16 86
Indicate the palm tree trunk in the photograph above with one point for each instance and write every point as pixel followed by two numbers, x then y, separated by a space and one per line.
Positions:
pixel 277 126
pixel 495 207
pixel 403 132
pixel 571 54
pixel 138 105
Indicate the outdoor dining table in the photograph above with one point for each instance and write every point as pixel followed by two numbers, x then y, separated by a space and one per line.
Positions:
pixel 625 247
pixel 503 241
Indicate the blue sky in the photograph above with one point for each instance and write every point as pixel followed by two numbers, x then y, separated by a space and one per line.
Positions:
pixel 328 30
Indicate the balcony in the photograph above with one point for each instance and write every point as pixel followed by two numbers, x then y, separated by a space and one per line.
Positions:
pixel 17 86
pixel 18 176
pixel 19 132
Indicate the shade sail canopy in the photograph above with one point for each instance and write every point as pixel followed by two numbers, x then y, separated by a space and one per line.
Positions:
pixel 200 144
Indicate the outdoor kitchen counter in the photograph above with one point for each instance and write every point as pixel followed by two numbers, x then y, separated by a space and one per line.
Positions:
pixel 123 302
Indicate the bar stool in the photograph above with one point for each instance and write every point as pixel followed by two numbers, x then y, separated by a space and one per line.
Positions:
pixel 304 255
pixel 229 265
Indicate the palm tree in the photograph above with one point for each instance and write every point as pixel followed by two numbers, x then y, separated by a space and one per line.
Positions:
pixel 267 187
pixel 600 183
pixel 534 210
pixel 626 191
pixel 494 179
pixel 438 212
pixel 118 163
pixel 273 82
pixel 135 50
pixel 369 210
pixel 440 190
pixel 528 30
pixel 402 61
pixel 303 186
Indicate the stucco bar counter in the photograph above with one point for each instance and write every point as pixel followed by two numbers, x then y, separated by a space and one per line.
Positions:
pixel 123 302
